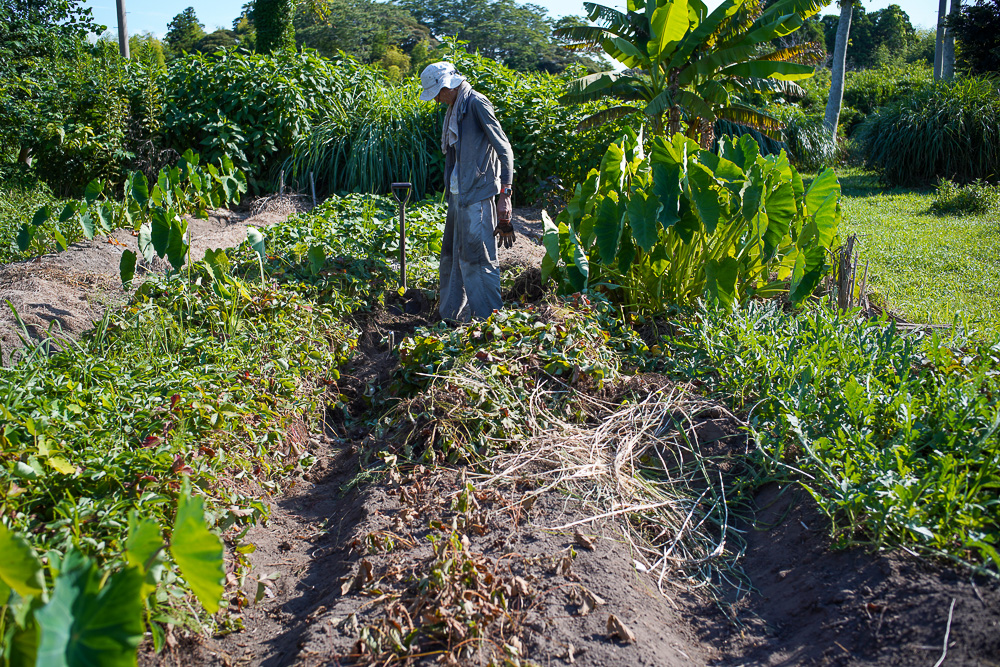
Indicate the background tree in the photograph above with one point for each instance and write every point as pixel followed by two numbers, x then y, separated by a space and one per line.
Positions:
pixel 148 45
pixel 38 38
pixel 363 29
pixel 977 29
pixel 215 41
pixel 183 31
pixel 272 20
pixel 519 36
pixel 836 99
pixel 688 65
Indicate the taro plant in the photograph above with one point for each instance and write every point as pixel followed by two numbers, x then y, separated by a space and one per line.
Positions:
pixel 90 617
pixel 682 223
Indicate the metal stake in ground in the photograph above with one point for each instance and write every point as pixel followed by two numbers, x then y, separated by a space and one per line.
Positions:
pixel 401 193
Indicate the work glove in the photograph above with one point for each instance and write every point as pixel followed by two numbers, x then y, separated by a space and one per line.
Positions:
pixel 504 234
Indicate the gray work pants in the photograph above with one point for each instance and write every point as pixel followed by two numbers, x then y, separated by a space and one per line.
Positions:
pixel 469 273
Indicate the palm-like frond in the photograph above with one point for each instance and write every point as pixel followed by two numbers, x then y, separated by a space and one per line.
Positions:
pixel 804 8
pixel 604 84
pixel 809 53
pixel 754 84
pixel 605 116
pixel 764 123
pixel 583 35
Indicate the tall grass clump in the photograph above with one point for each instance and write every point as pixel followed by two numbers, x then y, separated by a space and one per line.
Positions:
pixel 951 130
pixel 375 134
pixel 807 141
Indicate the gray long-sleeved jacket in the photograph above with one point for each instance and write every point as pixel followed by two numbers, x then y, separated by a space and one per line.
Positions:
pixel 485 158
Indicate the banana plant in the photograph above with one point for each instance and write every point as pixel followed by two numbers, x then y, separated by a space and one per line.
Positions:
pixel 681 223
pixel 692 65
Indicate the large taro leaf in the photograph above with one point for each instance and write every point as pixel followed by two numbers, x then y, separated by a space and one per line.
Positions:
pixel 810 265
pixel 41 216
pixel 126 268
pixel 146 243
pixel 550 237
pixel 613 169
pixel 177 245
pixel 824 185
pixel 720 280
pixel 138 188
pixel 197 551
pixel 93 191
pixel 781 210
pixel 256 240
pixel 24 237
pixel 159 232
pixel 827 219
pixel 317 258
pixel 143 549
pixel 20 568
pixel 667 188
pixel 86 624
pixel 608 228
pixel 642 212
pixel 86 224
pixel 705 195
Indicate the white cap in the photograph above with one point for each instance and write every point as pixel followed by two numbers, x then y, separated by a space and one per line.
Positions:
pixel 437 76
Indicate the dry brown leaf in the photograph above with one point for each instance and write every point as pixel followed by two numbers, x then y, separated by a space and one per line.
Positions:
pixel 589 601
pixel 363 576
pixel 618 629
pixel 584 541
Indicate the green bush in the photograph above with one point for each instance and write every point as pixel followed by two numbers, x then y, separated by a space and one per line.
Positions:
pixel 808 143
pixel 250 107
pixel 975 198
pixel 950 130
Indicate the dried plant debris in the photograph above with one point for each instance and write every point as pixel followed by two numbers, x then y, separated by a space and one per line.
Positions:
pixel 618 630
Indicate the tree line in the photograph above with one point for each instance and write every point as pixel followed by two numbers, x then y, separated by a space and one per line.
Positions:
pixel 400 36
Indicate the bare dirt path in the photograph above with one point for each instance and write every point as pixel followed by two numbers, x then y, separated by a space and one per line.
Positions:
pixel 64 294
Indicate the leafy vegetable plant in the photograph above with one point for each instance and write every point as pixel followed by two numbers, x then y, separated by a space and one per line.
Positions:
pixel 682 223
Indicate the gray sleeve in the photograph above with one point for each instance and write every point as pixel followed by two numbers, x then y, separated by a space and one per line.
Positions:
pixel 495 135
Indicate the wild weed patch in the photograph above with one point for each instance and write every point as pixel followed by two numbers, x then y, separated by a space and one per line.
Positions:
pixel 897 437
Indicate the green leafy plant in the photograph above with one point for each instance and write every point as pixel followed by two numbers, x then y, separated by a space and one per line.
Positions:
pixel 687 63
pixel 683 224
pixel 94 617
pixel 972 199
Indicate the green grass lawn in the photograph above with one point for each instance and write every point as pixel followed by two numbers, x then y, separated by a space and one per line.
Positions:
pixel 925 267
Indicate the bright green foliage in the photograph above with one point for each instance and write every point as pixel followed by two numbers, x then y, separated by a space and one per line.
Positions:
pixel 374 134
pixel 20 569
pixel 197 551
pixel 692 64
pixel 249 107
pixel 273 21
pixel 157 214
pixel 683 224
pixel 975 198
pixel 92 618
pixel 90 622
pixel 896 435
pixel 948 131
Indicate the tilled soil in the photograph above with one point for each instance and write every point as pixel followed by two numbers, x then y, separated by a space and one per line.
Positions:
pixel 797 600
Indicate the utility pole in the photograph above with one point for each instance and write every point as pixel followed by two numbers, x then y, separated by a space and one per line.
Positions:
pixel 122 30
pixel 948 64
pixel 939 41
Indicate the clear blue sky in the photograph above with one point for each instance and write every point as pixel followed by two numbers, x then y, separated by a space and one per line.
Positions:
pixel 154 16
